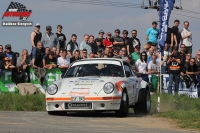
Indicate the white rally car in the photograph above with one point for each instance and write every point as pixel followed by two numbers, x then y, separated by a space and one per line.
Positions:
pixel 99 84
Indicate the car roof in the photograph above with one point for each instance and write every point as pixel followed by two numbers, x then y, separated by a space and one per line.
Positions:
pixel 117 59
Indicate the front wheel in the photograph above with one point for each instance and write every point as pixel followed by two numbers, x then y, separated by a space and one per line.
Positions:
pixel 144 106
pixel 123 111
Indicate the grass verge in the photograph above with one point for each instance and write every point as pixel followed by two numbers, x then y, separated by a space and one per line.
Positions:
pixel 17 102
pixel 184 110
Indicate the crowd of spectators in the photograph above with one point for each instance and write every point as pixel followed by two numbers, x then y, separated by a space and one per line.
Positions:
pixel 52 50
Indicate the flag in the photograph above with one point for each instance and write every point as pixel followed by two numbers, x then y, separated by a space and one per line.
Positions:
pixel 20 8
pixel 166 6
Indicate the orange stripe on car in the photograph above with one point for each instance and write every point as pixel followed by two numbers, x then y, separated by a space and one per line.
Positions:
pixel 118 85
pixel 86 98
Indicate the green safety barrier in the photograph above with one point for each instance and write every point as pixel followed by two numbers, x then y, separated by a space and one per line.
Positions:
pixel 6 84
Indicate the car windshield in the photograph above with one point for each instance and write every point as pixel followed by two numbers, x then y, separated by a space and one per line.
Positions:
pixel 95 69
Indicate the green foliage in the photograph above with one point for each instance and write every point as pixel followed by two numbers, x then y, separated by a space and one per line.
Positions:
pixel 183 109
pixel 17 102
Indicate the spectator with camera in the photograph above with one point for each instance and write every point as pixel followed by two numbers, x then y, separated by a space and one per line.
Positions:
pixel 192 70
pixel 175 62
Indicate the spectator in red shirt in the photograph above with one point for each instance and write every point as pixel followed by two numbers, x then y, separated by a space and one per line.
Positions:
pixel 107 42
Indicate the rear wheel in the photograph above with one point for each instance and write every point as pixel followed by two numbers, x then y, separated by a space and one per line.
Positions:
pixel 124 107
pixel 144 106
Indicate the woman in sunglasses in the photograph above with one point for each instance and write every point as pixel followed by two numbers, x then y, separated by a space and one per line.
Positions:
pixel 141 66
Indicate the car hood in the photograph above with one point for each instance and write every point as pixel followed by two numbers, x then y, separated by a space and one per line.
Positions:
pixel 85 86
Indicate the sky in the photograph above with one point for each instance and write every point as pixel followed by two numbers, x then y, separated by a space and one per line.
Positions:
pixel 83 19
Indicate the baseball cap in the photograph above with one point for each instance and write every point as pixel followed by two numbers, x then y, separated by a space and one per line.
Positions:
pixel 37 24
pixel 8 46
pixel 101 31
pixel 136 45
pixel 48 27
pixel 108 34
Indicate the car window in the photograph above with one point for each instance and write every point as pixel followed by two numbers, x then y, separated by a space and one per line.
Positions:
pixel 127 68
pixel 96 69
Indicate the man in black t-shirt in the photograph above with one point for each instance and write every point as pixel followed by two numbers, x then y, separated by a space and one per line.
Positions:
pixel 50 60
pixel 61 37
pixel 125 37
pixel 175 34
pixel 192 70
pixel 132 42
pixel 76 56
pixel 98 42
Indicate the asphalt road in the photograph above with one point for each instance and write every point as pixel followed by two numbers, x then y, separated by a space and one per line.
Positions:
pixel 41 122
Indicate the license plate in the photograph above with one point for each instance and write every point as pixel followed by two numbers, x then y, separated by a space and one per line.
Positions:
pixel 78 105
pixel 77 98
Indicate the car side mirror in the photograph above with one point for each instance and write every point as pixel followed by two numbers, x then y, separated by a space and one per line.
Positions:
pixel 138 74
pixel 128 74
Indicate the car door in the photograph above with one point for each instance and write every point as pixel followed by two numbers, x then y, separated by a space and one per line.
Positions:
pixel 130 83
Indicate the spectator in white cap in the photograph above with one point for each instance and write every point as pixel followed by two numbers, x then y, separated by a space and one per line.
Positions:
pixel 50 39
pixel 36 35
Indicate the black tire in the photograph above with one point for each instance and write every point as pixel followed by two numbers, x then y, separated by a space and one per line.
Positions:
pixel 124 107
pixel 144 106
pixel 62 113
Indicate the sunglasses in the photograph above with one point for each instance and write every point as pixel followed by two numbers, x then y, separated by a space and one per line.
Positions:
pixel 192 61
pixel 48 29
pixel 182 47
pixel 84 52
pixel 137 47
pixel 143 55
pixel 123 50
pixel 133 33
pixel 8 48
pixel 37 26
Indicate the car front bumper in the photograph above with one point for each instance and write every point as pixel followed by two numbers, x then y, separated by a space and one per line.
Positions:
pixel 97 105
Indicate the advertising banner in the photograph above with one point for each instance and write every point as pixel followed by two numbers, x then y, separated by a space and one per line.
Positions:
pixel 6 84
pixel 166 7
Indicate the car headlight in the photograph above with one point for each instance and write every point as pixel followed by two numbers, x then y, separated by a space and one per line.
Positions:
pixel 52 89
pixel 108 88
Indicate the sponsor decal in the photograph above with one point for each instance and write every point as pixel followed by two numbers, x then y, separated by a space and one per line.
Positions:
pixel 82 84
pixel 79 93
